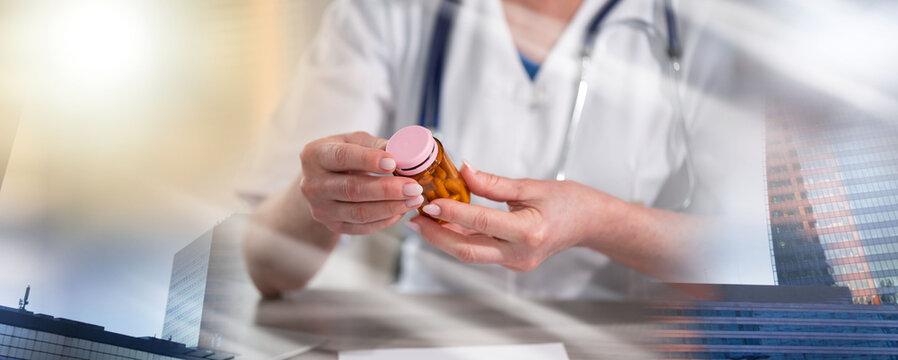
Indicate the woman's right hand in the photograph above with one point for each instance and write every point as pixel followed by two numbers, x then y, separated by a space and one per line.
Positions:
pixel 341 191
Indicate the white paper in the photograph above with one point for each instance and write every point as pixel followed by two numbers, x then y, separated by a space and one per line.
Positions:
pixel 553 351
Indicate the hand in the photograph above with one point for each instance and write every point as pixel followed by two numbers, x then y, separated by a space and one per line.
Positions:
pixel 544 218
pixel 341 192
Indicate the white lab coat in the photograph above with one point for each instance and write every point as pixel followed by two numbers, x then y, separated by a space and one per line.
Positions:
pixel 365 72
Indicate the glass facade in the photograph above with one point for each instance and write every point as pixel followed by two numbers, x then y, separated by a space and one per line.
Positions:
pixel 832 183
pixel 228 287
pixel 28 336
pixel 22 343
pixel 209 281
pixel 777 330
pixel 184 309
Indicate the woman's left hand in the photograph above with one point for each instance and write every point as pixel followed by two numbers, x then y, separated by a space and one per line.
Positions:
pixel 544 218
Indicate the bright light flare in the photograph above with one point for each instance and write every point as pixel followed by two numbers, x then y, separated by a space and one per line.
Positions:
pixel 99 42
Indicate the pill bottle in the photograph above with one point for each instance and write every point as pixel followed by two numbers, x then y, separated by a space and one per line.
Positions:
pixel 420 156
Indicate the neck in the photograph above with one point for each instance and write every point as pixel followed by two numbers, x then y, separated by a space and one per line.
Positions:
pixel 537 24
pixel 562 10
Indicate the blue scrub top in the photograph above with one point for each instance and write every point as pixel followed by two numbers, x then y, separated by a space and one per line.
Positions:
pixel 531 66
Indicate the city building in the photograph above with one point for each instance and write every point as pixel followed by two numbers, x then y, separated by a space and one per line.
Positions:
pixel 209 288
pixel 751 322
pixel 29 336
pixel 832 184
pixel 187 289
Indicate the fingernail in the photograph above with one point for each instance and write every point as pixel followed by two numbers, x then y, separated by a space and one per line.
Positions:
pixel 412 189
pixel 466 163
pixel 413 203
pixel 415 227
pixel 387 164
pixel 431 209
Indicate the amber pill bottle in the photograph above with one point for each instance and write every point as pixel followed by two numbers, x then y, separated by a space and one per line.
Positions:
pixel 420 156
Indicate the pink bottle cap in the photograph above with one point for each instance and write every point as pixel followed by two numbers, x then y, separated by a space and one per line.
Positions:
pixel 413 148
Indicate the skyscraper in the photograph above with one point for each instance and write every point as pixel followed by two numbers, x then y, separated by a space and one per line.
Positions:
pixel 208 280
pixel 212 301
pixel 751 322
pixel 832 184
pixel 187 289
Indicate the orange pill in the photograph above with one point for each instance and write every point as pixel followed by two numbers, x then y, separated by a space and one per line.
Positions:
pixel 454 186
pixel 440 188
pixel 425 179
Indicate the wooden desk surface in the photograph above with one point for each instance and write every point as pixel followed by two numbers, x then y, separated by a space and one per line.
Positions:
pixel 382 319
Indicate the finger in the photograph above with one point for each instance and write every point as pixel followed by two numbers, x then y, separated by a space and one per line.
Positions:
pixel 473 249
pixel 364 229
pixel 491 186
pixel 498 223
pixel 513 268
pixel 359 188
pixel 460 229
pixel 368 212
pixel 340 157
pixel 366 140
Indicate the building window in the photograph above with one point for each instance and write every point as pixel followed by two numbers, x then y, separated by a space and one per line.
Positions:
pixel 781 198
pixel 780 183
pixel 788 227
pixel 778 169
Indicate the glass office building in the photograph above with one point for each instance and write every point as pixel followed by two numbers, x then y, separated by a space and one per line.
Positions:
pixel 832 183
pixel 187 288
pixel 29 336
pixel 209 280
pixel 777 322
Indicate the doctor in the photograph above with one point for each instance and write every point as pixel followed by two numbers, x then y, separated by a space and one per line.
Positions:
pixel 510 79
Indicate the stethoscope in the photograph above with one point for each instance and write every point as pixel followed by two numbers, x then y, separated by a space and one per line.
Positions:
pixel 430 102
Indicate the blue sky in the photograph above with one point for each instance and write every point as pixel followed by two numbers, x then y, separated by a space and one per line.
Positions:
pixel 120 284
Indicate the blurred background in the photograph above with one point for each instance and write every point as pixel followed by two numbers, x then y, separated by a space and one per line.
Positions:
pixel 134 119
pixel 128 124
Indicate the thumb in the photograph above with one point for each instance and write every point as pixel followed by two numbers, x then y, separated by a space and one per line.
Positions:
pixel 493 187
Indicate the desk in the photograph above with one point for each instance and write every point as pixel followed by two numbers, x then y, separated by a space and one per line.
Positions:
pixel 383 319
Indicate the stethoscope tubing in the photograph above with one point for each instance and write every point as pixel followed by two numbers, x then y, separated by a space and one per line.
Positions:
pixel 436 60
